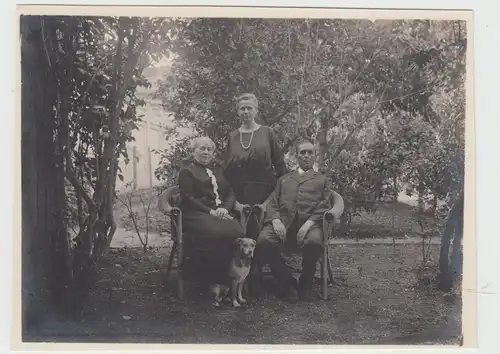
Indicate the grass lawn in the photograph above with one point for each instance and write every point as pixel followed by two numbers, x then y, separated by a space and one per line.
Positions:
pixel 385 299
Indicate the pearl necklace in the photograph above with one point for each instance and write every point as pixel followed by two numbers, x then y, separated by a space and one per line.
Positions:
pixel 241 140
pixel 251 138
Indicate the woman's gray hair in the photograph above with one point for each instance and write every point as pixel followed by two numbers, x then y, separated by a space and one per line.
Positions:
pixel 198 140
pixel 248 98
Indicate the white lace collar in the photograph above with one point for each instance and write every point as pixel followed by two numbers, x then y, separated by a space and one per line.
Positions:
pixel 214 185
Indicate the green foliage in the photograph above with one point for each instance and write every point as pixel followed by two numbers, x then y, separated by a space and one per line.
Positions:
pixel 92 68
pixel 97 64
pixel 383 100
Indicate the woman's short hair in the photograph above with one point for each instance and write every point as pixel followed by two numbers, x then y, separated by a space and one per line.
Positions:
pixel 200 139
pixel 248 97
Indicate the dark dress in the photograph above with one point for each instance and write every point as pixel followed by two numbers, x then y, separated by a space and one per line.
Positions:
pixel 208 238
pixel 253 172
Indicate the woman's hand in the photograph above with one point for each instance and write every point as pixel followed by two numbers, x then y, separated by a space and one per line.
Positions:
pixel 221 213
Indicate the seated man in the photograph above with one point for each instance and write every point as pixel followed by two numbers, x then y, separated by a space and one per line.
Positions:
pixel 295 214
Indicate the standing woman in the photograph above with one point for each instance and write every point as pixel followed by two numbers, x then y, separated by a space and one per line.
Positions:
pixel 254 161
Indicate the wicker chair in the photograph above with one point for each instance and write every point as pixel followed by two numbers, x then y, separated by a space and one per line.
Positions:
pixel 329 218
pixel 168 203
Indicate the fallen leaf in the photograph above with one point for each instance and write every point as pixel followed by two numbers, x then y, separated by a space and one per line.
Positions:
pixel 126 317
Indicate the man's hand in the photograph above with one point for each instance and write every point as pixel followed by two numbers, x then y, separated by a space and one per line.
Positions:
pixel 301 234
pixel 279 229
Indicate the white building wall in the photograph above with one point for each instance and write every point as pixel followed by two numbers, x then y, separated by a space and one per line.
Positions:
pixel 149 136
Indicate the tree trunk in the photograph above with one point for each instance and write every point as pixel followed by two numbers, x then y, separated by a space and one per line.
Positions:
pixel 322 144
pixel 449 274
pixel 434 206
pixel 322 134
pixel 44 260
pixel 395 189
pixel 421 202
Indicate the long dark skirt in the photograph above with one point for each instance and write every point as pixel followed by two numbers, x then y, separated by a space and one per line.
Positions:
pixel 209 245
pixel 253 193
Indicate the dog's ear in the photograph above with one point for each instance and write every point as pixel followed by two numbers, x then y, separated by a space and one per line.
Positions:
pixel 254 243
pixel 237 242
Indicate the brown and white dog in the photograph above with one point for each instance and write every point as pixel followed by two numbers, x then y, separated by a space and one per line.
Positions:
pixel 239 268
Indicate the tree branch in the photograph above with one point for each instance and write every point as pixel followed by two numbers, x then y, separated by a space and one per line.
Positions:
pixel 92 207
pixel 300 90
pixel 350 135
pixel 132 216
pixel 290 106
pixel 84 97
pixel 348 92
pixel 360 124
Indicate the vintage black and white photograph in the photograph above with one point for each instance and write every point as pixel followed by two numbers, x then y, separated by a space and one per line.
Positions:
pixel 243 180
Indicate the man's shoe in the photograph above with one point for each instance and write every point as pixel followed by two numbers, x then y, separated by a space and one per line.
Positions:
pixel 306 294
pixel 290 293
pixel 305 290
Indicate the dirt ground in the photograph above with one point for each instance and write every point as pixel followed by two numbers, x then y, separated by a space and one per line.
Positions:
pixel 383 300
pixel 382 295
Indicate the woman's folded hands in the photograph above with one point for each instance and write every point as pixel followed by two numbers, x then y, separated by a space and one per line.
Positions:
pixel 221 213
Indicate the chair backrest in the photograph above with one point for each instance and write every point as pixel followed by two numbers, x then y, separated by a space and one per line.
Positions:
pixel 175 196
pixel 338 204
pixel 169 199
pixel 168 203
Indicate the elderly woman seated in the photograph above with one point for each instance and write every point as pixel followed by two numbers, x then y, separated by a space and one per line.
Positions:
pixel 206 202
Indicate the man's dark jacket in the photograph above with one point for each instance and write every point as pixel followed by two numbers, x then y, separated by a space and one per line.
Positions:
pixel 306 196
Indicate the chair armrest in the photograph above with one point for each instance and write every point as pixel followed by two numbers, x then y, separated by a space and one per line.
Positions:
pixel 338 208
pixel 173 212
pixel 264 205
pixel 258 209
pixel 259 212
pixel 243 209
pixel 164 204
